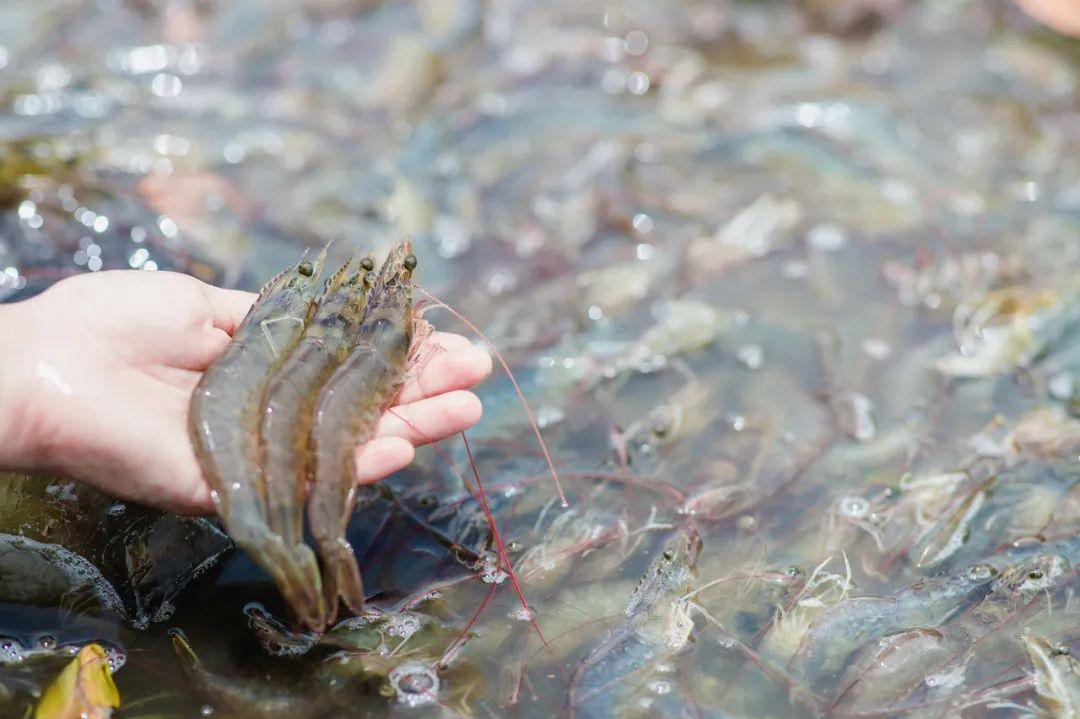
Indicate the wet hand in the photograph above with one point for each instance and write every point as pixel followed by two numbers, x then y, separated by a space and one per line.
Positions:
pixel 99 370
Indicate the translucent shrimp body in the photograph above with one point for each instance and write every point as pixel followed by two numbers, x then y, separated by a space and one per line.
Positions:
pixel 226 409
pixel 347 412
pixel 286 425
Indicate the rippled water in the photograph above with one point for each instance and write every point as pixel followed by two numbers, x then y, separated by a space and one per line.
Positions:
pixel 792 289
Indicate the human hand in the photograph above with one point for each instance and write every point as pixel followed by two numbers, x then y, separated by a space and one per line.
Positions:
pixel 98 374
pixel 1062 15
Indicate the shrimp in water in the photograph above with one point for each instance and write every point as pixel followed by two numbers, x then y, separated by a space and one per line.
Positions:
pixel 286 424
pixel 346 414
pixel 226 409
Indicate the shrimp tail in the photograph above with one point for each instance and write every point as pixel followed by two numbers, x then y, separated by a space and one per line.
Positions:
pixel 341 579
pixel 346 570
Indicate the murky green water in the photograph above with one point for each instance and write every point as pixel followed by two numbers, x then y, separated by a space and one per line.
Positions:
pixel 795 297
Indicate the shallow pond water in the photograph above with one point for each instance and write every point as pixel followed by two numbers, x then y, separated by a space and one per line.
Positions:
pixel 792 289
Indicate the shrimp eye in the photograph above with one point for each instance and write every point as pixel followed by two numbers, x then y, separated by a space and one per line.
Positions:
pixel 1062 650
pixel 1035 574
pixel 410 262
pixel 368 264
pixel 668 554
pixel 305 269
pixel 793 571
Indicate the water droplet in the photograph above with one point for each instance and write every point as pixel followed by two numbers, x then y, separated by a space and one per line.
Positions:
pixel 642 223
pixel 636 42
pixel 660 687
pixel 826 237
pixel 548 415
pixel 752 356
pixel 854 507
pixel 166 85
pixel 877 348
pixel 637 83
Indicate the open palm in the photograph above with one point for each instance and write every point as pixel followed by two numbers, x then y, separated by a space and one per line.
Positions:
pixel 101 389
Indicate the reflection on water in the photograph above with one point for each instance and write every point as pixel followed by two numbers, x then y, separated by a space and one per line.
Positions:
pixel 792 290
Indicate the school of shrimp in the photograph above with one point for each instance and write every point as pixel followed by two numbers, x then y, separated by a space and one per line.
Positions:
pixel 791 296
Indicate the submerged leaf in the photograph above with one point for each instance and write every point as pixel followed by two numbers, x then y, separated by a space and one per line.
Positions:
pixel 84 689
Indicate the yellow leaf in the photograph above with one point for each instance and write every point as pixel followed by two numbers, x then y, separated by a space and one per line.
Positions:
pixel 84 690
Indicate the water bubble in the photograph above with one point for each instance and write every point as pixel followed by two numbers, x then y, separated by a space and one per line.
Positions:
pixel 875 347
pixel 414 683
pixel 403 625
pixel 138 258
pixel 168 227
pixel 452 236
pixel 980 572
pixel 642 223
pixel 1061 386
pixel 636 42
pixel 613 80
pixel 854 507
pixel 166 85
pixel 206 710
pixel 520 613
pixel 794 270
pixel 660 686
pixel 826 237
pixel 11 652
pixel 493 576
pixel 234 153
pixel 637 83
pixel 612 49
pixel 548 415
pixel 752 356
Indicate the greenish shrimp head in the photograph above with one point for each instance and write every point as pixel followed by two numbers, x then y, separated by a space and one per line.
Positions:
pixel 390 301
pixel 301 278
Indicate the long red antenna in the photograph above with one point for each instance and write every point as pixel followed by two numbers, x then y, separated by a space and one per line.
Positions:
pixel 517 389
pixel 503 555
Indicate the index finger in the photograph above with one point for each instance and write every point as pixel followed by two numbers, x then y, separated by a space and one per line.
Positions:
pixel 229 306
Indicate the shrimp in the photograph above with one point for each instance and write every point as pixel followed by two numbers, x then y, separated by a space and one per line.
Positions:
pixel 247 697
pixel 1057 675
pixel 346 414
pixel 656 624
pixel 286 423
pixel 227 405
